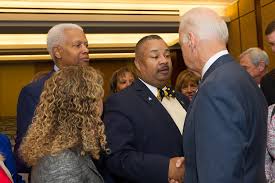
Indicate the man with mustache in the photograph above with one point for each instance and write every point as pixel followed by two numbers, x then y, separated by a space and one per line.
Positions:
pixel 67 45
pixel 144 130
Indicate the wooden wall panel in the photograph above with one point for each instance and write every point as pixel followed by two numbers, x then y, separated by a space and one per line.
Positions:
pixel 246 6
pixel 268 14
pixel 12 78
pixel 232 11
pixel 248 31
pixel 234 43
pixel 107 68
pixel 264 2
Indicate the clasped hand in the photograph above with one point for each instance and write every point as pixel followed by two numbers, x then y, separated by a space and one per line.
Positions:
pixel 176 170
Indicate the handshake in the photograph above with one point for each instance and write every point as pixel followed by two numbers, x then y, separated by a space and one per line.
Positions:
pixel 176 170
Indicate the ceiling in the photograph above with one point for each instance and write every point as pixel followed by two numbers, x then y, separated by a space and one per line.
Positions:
pixel 112 26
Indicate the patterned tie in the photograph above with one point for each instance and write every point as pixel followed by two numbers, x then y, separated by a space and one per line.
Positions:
pixel 166 92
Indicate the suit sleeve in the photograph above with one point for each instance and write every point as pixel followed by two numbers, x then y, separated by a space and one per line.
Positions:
pixel 220 136
pixel 125 160
pixel 25 110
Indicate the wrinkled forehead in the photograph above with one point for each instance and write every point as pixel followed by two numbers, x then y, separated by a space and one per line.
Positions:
pixel 74 35
pixel 154 46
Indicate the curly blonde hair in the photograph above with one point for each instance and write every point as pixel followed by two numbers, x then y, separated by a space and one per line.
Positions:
pixel 67 116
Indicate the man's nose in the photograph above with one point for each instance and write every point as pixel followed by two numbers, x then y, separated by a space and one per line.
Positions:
pixel 85 49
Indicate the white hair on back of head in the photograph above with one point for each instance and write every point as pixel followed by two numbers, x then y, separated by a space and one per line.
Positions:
pixel 204 23
pixel 56 35
pixel 256 55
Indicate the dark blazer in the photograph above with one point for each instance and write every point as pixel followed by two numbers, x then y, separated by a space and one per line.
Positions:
pixel 225 129
pixel 67 166
pixel 268 87
pixel 6 152
pixel 27 101
pixel 141 135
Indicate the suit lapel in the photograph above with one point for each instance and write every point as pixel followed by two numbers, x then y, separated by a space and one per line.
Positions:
pixel 152 101
pixel 144 93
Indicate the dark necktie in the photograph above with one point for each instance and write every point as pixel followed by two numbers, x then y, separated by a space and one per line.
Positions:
pixel 166 92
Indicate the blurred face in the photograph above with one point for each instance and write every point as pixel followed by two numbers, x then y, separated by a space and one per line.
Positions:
pixel 124 81
pixel 189 90
pixel 74 50
pixel 271 40
pixel 246 63
pixel 154 64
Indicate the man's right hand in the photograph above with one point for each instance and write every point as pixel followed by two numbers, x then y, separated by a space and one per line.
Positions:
pixel 176 170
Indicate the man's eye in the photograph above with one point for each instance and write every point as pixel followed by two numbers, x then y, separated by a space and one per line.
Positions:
pixel 167 56
pixel 155 57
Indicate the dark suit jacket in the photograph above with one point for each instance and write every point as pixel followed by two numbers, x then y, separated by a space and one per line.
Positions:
pixel 27 101
pixel 225 129
pixel 268 87
pixel 141 135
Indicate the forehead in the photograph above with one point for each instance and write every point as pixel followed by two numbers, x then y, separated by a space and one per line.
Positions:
pixel 73 35
pixel 125 74
pixel 155 45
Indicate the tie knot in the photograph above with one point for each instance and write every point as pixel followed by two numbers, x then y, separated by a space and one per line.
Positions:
pixel 166 92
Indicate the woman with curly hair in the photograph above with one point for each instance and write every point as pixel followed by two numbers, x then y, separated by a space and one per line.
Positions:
pixel 67 128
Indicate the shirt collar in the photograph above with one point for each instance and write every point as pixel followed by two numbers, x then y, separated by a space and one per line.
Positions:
pixel 153 89
pixel 55 68
pixel 212 60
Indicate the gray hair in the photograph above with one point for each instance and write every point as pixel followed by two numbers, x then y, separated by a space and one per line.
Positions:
pixel 256 55
pixel 56 35
pixel 204 23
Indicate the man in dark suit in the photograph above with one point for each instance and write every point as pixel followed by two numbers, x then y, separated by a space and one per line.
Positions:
pixel 225 128
pixel 143 129
pixel 268 81
pixel 67 45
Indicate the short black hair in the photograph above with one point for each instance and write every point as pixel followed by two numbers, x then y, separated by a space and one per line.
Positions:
pixel 144 39
pixel 270 28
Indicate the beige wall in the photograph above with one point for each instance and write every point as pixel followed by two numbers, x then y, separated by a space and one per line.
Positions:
pixel 243 29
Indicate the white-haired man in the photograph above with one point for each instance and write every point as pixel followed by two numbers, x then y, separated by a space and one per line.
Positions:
pixel 224 137
pixel 67 45
pixel 255 62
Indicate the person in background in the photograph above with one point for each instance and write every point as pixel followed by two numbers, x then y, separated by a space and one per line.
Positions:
pixel 67 128
pixel 187 83
pixel 144 123
pixel 255 61
pixel 67 45
pixel 7 161
pixel 224 137
pixel 268 81
pixel 270 153
pixel 121 78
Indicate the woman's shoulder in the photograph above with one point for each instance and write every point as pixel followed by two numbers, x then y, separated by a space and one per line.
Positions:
pixel 4 139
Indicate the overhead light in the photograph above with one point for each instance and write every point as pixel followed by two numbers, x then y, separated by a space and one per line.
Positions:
pixel 46 57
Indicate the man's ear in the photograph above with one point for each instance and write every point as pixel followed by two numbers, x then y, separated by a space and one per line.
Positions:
pixel 137 64
pixel 57 52
pixel 261 66
pixel 191 40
